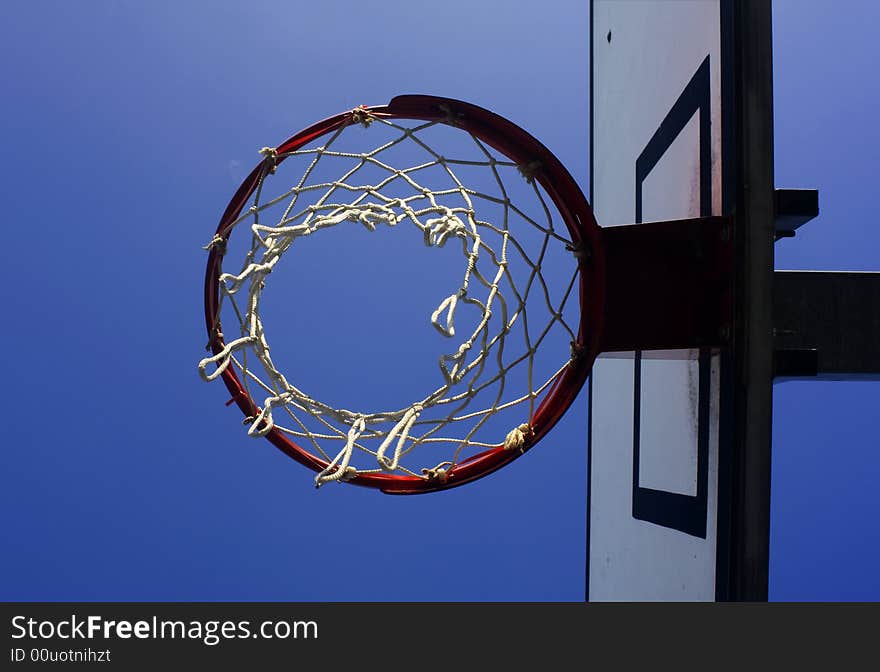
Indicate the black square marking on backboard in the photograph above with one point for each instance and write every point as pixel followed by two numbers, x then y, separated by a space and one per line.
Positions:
pixel 686 513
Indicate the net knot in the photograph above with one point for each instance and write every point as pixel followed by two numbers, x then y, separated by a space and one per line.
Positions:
pixel 336 473
pixel 218 243
pixel 519 437
pixel 215 337
pixel 578 350
pixel 437 230
pixel 579 251
pixel 360 115
pixel 450 117
pixel 529 170
pixel 271 158
pixel 440 473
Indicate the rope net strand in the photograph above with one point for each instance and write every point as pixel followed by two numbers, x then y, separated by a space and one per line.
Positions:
pixel 502 309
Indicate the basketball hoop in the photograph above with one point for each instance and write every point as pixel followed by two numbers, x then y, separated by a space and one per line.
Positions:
pixel 435 441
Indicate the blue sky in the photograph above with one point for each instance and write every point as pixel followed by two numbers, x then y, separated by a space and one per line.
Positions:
pixel 127 128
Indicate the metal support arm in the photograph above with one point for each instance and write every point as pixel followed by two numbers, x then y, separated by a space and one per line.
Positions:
pixel 826 325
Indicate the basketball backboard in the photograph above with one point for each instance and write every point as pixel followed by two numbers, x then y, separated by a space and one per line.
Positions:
pixel 679 440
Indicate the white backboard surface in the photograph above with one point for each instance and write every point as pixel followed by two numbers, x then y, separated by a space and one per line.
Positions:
pixel 656 145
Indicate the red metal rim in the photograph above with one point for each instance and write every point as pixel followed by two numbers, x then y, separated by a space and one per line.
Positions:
pixel 519 146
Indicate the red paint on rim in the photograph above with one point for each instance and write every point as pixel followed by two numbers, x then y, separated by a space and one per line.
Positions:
pixel 519 146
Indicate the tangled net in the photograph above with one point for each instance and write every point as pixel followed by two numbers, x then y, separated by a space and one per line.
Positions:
pixel 517 309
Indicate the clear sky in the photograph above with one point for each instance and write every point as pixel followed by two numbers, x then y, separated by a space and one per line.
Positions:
pixel 127 127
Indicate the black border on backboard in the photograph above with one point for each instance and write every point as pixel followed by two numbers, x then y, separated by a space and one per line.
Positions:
pixel 685 513
pixel 695 98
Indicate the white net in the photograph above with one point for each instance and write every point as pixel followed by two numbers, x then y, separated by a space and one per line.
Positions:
pixel 507 327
